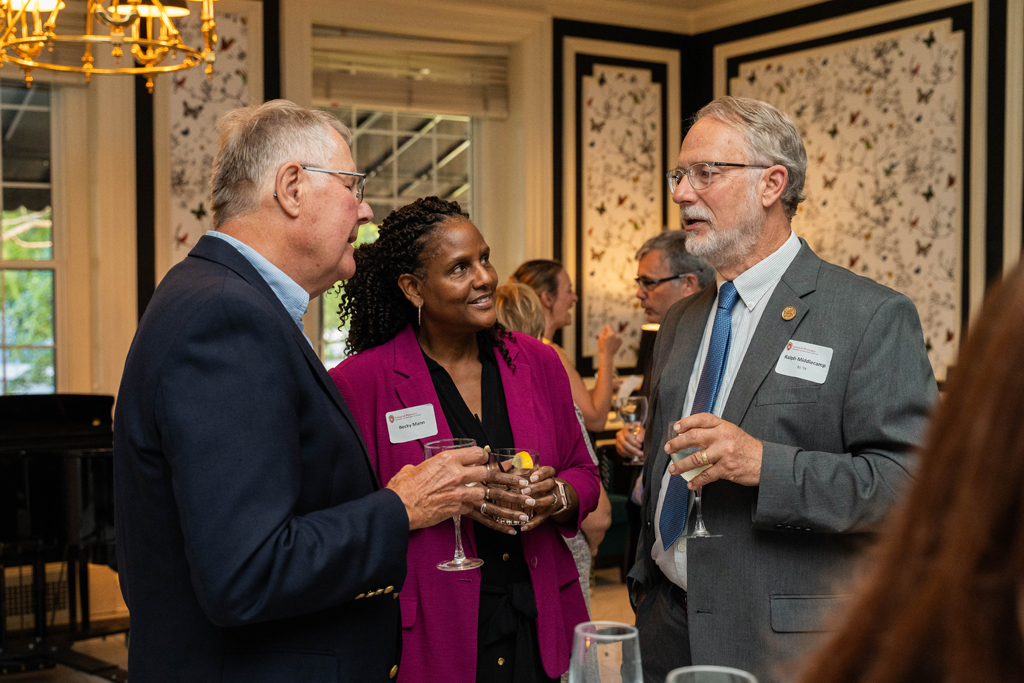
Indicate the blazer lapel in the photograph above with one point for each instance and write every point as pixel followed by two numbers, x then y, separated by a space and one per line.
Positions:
pixel 417 385
pixel 519 397
pixel 668 387
pixel 773 331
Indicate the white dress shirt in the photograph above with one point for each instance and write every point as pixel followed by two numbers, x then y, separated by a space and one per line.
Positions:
pixel 755 287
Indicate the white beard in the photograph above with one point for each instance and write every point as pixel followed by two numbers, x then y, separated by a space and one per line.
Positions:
pixel 725 247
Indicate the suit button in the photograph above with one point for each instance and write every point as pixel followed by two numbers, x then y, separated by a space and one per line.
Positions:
pixel 778 526
pixel 379 591
pixel 648 525
pixel 789 528
pixel 360 596
pixel 395 595
pixel 389 589
pixel 501 661
pixel 394 671
pixel 505 557
pixel 533 562
pixel 806 529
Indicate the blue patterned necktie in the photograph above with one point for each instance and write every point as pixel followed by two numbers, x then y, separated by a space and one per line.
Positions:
pixel 677 498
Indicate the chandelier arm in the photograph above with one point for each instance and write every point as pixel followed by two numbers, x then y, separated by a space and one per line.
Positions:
pixel 12 24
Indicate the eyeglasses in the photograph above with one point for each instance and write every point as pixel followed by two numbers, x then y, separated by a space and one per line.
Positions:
pixel 360 182
pixel 700 174
pixel 647 284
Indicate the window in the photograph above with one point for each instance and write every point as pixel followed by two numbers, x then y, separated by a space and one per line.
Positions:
pixel 405 156
pixel 27 264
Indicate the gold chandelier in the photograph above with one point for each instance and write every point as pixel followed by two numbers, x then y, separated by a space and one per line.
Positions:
pixel 146 27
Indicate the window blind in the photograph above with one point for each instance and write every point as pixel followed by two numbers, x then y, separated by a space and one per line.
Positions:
pixel 411 74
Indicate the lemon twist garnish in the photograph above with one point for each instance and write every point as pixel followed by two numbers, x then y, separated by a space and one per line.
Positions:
pixel 522 461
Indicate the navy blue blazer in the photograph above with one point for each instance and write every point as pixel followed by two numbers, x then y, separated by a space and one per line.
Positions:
pixel 254 542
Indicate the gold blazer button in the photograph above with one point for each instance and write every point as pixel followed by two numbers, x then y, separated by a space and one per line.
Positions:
pixel 394 671
pixel 788 313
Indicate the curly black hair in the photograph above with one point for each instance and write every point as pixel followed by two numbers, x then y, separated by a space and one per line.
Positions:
pixel 373 304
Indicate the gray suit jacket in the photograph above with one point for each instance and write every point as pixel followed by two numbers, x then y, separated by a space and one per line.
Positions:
pixel 836 457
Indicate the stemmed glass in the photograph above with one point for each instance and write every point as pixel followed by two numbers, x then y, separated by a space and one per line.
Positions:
pixel 605 652
pixel 709 674
pixel 633 413
pixel 460 562
pixel 699 530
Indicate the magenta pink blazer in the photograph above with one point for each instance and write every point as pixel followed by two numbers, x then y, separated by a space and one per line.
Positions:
pixel 439 609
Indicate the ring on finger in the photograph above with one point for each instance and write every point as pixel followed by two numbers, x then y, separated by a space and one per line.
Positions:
pixel 483 509
pixel 487 494
pixel 704 457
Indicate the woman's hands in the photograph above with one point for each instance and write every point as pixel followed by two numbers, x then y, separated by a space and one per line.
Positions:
pixel 510 496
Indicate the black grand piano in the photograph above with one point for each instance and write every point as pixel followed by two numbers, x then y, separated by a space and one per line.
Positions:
pixel 56 506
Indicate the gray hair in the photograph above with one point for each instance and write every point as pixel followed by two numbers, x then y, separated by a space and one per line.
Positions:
pixel 772 138
pixel 672 245
pixel 255 141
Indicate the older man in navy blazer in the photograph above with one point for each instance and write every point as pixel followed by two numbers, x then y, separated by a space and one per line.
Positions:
pixel 254 541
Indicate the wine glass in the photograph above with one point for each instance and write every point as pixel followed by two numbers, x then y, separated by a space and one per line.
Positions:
pixel 709 674
pixel 605 652
pixel 632 411
pixel 460 562
pixel 699 530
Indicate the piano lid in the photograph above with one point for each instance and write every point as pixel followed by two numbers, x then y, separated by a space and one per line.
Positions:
pixel 54 423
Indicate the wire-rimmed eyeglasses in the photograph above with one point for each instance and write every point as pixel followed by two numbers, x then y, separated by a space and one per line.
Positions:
pixel 360 178
pixel 700 174
pixel 647 284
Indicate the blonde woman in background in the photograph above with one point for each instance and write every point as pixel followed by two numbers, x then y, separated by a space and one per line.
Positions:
pixel 519 310
pixel 554 291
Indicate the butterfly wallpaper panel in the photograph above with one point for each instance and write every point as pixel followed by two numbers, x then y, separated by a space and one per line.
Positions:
pixel 882 119
pixel 622 175
pixel 195 104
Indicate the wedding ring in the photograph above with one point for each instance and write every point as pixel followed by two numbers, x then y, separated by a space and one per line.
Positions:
pixel 483 509
pixel 704 456
pixel 487 494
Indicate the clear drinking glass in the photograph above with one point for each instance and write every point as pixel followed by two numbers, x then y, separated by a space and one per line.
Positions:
pixel 699 530
pixel 709 674
pixel 633 413
pixel 460 562
pixel 605 652
pixel 505 459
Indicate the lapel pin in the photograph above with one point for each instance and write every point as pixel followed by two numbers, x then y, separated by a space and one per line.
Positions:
pixel 788 313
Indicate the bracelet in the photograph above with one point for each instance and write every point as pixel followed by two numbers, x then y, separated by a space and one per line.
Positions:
pixel 563 496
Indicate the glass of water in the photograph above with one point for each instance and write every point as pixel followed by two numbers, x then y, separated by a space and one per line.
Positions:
pixel 709 674
pixel 605 652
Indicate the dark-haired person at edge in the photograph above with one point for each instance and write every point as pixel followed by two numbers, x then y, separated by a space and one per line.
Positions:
pixel 554 288
pixel 254 541
pixel 422 324
pixel 943 601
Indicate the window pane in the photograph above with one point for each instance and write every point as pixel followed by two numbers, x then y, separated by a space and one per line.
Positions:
pixel 26 145
pixel 28 307
pixel 27 224
pixel 15 92
pixel 454 127
pixel 28 371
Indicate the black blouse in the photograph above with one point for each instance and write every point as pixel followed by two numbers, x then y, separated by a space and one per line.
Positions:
pixel 507 648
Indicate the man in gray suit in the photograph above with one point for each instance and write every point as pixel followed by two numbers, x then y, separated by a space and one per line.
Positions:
pixel 802 388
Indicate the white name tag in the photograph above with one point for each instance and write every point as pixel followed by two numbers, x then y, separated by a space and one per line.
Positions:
pixel 410 424
pixel 806 361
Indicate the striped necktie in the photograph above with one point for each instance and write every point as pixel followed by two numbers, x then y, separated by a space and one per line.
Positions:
pixel 677 498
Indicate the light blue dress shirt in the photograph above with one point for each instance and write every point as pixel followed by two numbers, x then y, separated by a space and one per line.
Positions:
pixel 293 297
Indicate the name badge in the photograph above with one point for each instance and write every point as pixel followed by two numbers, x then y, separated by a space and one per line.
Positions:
pixel 805 361
pixel 410 424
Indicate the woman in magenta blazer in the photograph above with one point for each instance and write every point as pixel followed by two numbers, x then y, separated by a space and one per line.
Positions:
pixel 422 324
